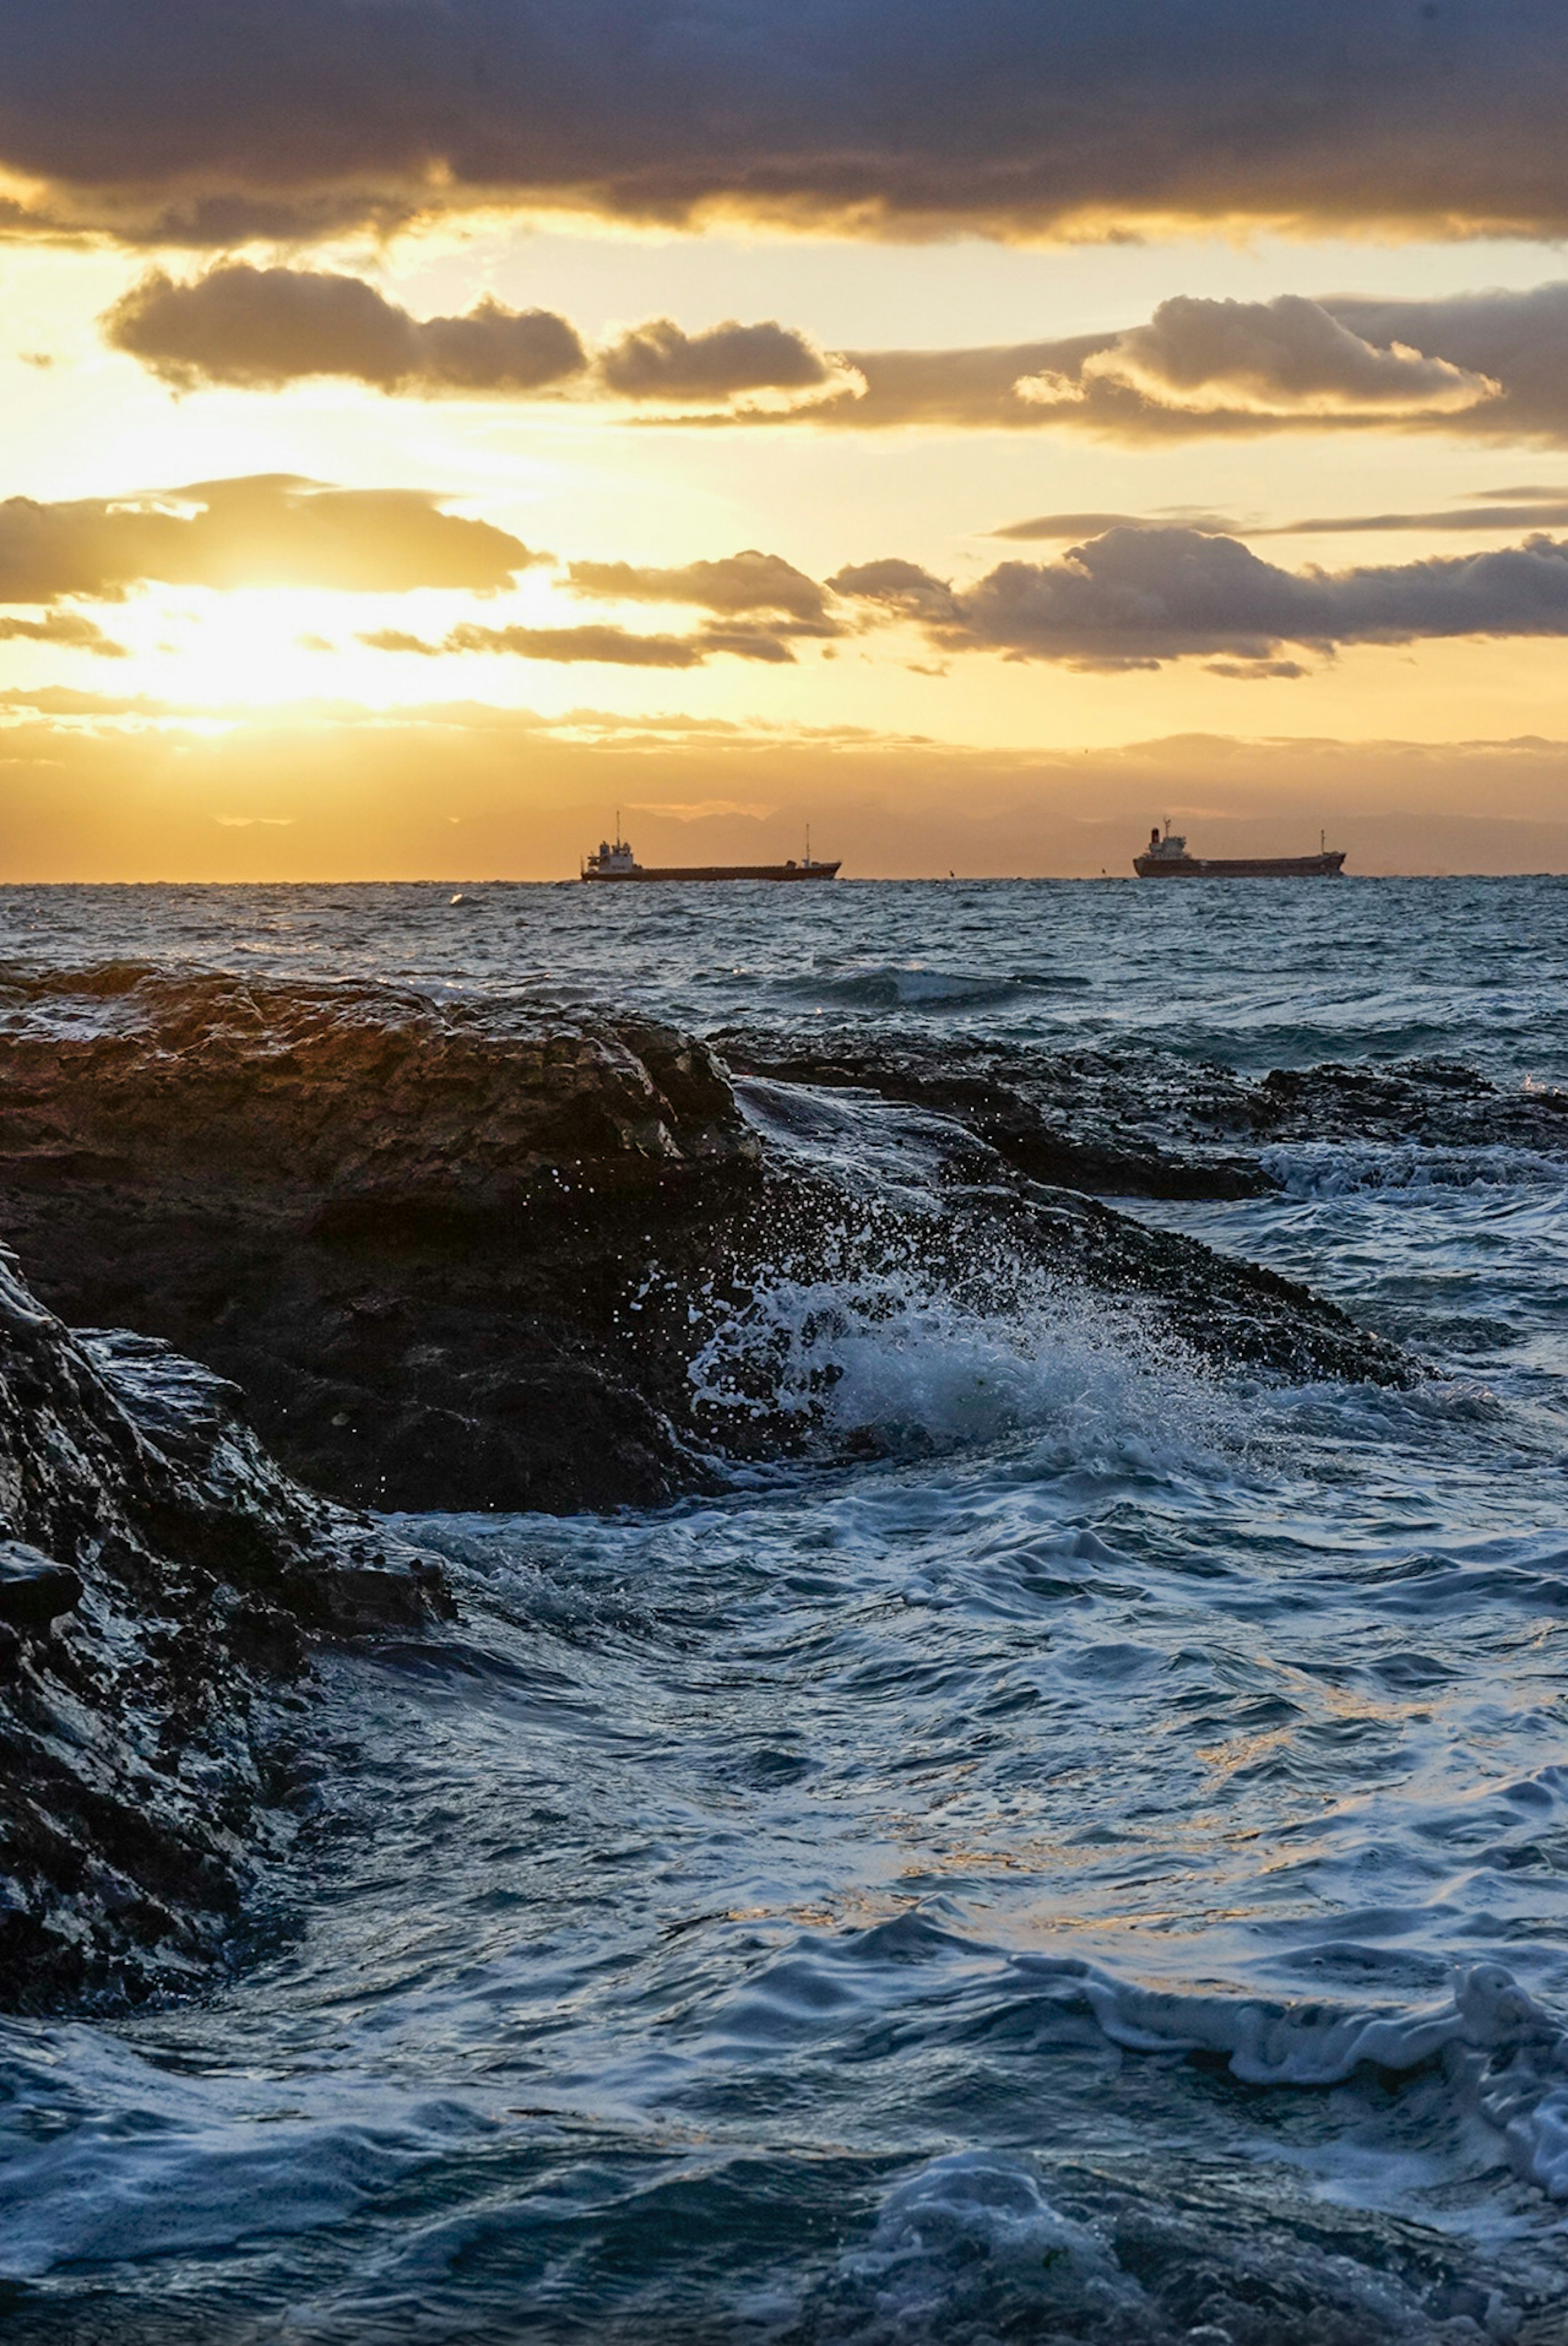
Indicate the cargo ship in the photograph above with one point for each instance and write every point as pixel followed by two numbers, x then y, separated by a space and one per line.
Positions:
pixel 615 861
pixel 1167 858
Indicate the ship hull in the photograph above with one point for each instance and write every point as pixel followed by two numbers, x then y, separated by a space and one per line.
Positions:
pixel 717 872
pixel 1246 867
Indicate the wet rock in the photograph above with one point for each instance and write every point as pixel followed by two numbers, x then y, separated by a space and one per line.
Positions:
pixel 1113 1124
pixel 1128 1120
pixel 34 1589
pixel 158 1575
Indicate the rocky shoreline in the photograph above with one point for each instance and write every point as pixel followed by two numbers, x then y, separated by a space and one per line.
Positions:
pixel 441 1255
pixel 160 1582
pixel 458 1257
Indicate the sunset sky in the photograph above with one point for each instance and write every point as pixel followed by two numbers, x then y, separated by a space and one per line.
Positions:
pixel 979 432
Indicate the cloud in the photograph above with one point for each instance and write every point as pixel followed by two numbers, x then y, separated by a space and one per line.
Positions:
pixel 374 790
pixel 760 605
pixel 1196 367
pixel 1521 338
pixel 65 628
pixel 702 810
pixel 1494 366
pixel 398 639
pixel 1530 508
pixel 743 582
pixel 64 702
pixel 899 587
pixel 1490 366
pixel 1260 671
pixel 1539 512
pixel 212 124
pixel 256 329
pixel 267 530
pixel 1095 525
pixel 612 647
pixel 260 328
pixel 1288 357
pixel 1137 597
pixel 661 361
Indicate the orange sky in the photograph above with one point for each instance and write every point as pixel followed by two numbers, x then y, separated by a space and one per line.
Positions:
pixel 229 683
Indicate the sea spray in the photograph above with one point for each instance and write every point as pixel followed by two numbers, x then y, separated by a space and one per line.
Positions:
pixel 891 1361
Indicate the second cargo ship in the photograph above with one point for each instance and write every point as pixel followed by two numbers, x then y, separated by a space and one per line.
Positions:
pixel 1168 859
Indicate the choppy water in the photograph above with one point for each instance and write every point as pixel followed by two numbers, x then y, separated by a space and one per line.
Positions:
pixel 1102 1875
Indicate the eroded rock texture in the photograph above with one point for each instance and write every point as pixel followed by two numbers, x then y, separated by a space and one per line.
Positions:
pixel 412 1232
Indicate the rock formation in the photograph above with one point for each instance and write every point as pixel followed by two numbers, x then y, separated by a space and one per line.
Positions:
pixel 1133 1121
pixel 160 1581
pixel 458 1254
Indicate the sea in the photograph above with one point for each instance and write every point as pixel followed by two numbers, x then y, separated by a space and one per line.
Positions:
pixel 1095 1872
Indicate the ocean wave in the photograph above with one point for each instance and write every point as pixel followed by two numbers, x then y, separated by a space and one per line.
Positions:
pixel 980 2245
pixel 884 1362
pixel 1338 1169
pixel 892 986
pixel 110 2157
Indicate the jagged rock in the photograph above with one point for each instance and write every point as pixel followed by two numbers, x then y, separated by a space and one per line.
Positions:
pixel 34 1589
pixel 157 1574
pixel 1127 1120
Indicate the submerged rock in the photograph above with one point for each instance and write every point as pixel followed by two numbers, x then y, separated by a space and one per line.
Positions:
pixel 1133 1121
pixel 158 1575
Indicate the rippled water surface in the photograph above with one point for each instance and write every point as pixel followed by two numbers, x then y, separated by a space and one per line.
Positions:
pixel 1098 1875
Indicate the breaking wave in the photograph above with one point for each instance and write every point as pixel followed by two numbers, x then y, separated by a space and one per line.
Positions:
pixel 886 1362
pixel 912 986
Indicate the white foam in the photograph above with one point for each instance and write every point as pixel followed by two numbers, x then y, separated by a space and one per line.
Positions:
pixel 1506 2056
pixel 890 1359
pixel 982 2215
pixel 1340 1169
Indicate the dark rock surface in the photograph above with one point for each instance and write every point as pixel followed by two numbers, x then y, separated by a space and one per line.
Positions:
pixel 1136 1122
pixel 160 1578
pixel 412 1233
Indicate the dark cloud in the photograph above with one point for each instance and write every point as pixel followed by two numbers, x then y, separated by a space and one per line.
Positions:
pixel 224 119
pixel 1135 598
pixel 739 583
pixel 260 328
pixel 263 327
pixel 269 530
pixel 660 360
pixel 64 627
